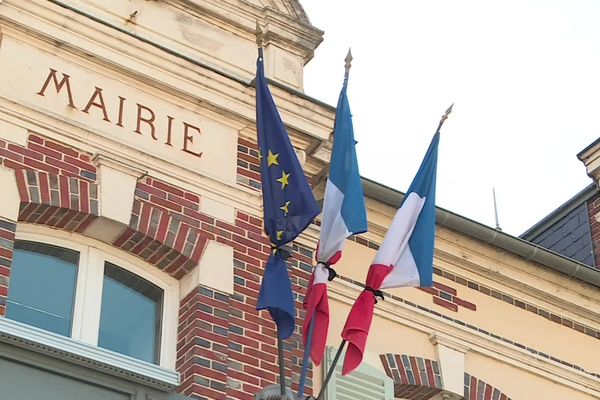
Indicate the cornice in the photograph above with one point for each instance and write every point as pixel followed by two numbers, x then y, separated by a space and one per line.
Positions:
pixel 516 282
pixel 488 346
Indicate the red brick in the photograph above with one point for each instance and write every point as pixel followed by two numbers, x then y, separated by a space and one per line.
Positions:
pixel 259 372
pixel 26 152
pixel 166 203
pixel 464 303
pixel 248 143
pixel 249 174
pixel 167 188
pixel 7 234
pixel 11 155
pixel 80 164
pixel 61 148
pixel 3 291
pixel 445 304
pixel 44 150
pixel 39 165
pixel 151 190
pixel 35 139
pixel 182 201
pixel 243 358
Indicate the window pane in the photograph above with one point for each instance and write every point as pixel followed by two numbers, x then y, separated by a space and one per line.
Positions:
pixel 130 315
pixel 42 286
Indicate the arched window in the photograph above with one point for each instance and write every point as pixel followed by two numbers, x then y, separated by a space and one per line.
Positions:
pixel 92 292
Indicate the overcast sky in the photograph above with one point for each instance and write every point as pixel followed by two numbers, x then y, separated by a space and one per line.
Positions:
pixel 524 76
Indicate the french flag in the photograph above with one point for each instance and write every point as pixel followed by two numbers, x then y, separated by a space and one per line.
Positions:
pixel 405 257
pixel 343 215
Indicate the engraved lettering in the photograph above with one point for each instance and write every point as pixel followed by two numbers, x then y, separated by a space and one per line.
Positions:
pixel 58 85
pixel 92 102
pixel 149 121
pixel 188 139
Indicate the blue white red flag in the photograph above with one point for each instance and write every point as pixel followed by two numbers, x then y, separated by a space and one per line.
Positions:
pixel 343 215
pixel 405 258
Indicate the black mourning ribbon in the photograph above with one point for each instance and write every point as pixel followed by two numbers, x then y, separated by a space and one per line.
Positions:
pixel 331 271
pixel 376 293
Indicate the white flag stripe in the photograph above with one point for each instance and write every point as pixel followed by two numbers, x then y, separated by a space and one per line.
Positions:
pixel 396 239
pixel 333 228
pixel 404 274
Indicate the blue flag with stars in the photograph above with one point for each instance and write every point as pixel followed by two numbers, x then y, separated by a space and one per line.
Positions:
pixel 288 203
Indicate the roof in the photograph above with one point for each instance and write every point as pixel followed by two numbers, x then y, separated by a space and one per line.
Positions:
pixel 486 234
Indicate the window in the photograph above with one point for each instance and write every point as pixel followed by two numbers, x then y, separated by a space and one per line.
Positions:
pixel 42 286
pixel 89 291
pixel 133 330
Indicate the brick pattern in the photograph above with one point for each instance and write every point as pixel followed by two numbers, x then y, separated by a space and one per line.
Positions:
pixel 446 296
pixel 248 164
pixel 7 239
pixel 476 389
pixel 48 156
pixel 518 303
pixel 165 227
pixel 58 201
pixel 415 378
pixel 226 348
pixel 477 329
pixel 593 206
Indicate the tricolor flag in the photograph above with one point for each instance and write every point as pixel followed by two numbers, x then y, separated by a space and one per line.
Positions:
pixel 405 257
pixel 289 204
pixel 343 215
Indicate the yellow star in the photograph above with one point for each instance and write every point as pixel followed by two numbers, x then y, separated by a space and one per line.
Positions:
pixel 279 235
pixel 284 179
pixel 284 207
pixel 272 159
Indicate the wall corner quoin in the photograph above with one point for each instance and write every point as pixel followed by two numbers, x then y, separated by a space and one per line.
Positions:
pixel 10 200
pixel 213 270
pixel 451 358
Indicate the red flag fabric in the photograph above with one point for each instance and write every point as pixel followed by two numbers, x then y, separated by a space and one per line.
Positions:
pixel 360 317
pixel 316 304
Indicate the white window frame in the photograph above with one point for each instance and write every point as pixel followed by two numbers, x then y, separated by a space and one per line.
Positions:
pixel 90 278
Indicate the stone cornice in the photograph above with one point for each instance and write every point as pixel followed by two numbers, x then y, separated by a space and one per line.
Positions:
pixel 521 283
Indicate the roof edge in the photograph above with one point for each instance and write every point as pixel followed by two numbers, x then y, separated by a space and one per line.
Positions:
pixel 559 213
pixel 486 234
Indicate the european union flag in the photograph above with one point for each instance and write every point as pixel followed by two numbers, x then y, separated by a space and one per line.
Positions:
pixel 289 205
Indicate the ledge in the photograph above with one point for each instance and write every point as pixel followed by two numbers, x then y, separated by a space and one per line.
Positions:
pixel 102 360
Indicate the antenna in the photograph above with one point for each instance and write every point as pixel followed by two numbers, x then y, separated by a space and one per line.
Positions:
pixel 496 210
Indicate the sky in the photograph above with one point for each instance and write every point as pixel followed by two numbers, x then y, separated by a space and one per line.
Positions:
pixel 524 76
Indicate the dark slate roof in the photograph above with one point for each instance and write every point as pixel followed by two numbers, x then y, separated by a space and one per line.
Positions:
pixel 567 229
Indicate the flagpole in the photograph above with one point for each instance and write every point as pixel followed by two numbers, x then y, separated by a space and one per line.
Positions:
pixel 305 360
pixel 343 344
pixel 331 369
pixel 311 328
pixel 282 384
pixel 444 118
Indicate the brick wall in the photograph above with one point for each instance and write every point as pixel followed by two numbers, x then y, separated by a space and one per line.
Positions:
pixel 7 238
pixel 476 389
pixel 593 210
pixel 226 349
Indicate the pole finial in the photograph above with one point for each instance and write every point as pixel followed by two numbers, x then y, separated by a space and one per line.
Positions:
pixel 259 35
pixel 445 116
pixel 348 64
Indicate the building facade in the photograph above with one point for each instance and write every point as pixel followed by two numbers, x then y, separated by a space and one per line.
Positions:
pixel 131 241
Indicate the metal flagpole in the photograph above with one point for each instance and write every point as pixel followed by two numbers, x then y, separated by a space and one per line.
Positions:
pixel 305 360
pixel 331 369
pixel 343 344
pixel 311 328
pixel 282 386
pixel 281 368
